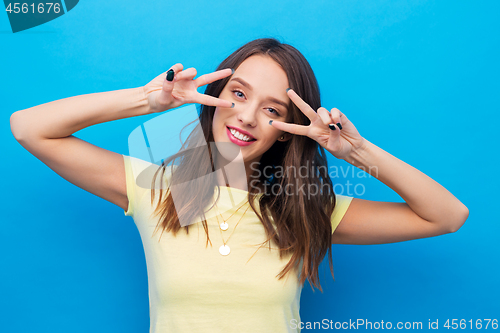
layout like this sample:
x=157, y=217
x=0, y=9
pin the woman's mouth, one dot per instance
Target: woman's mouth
x=239, y=138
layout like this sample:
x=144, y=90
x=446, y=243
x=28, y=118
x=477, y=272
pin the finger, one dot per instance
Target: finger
x=303, y=106
x=325, y=116
x=343, y=118
x=335, y=117
x=187, y=74
x=176, y=68
x=213, y=101
x=168, y=86
x=211, y=77
x=290, y=128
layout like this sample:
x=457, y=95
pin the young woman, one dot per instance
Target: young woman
x=240, y=239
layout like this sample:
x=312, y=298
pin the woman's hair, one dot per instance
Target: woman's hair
x=302, y=220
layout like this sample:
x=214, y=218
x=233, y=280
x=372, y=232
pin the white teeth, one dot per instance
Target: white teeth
x=238, y=135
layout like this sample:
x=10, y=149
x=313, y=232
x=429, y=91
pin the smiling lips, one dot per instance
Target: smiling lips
x=239, y=138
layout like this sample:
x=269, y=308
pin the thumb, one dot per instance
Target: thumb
x=168, y=83
x=165, y=95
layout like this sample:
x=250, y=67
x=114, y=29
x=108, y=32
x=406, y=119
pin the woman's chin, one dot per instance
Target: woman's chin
x=229, y=151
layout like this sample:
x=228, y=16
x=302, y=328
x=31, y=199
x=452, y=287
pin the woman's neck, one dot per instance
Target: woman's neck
x=236, y=174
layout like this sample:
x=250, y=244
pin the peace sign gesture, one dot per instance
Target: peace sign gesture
x=332, y=130
x=176, y=87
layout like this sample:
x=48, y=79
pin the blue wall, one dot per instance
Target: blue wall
x=419, y=79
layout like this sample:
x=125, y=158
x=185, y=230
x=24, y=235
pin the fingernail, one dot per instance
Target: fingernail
x=232, y=106
x=270, y=122
x=340, y=126
x=170, y=75
x=232, y=71
x=287, y=89
x=332, y=126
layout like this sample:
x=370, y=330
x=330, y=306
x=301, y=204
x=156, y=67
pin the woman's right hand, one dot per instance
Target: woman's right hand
x=164, y=95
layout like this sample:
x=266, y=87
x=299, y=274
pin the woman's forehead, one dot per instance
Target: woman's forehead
x=262, y=62
x=262, y=73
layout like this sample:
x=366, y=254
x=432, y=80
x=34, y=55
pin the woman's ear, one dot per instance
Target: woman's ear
x=285, y=137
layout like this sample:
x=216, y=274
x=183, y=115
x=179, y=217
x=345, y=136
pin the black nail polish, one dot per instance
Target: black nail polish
x=170, y=75
x=287, y=89
x=270, y=122
x=340, y=126
x=232, y=71
x=232, y=106
x=332, y=126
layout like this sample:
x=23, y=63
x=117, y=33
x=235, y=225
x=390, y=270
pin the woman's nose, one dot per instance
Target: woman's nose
x=247, y=115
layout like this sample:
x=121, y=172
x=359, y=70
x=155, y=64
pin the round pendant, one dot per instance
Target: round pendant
x=224, y=250
x=224, y=226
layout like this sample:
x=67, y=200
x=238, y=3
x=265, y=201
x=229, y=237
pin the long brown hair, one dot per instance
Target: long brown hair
x=302, y=220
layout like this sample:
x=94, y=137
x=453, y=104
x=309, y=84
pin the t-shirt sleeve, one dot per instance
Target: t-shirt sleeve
x=130, y=181
x=140, y=177
x=341, y=206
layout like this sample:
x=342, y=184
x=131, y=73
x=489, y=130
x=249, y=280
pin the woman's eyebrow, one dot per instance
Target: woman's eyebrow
x=249, y=87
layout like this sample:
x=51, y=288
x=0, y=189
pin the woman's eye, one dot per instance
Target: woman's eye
x=273, y=111
x=239, y=93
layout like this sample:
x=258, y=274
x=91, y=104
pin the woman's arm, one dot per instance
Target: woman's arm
x=61, y=118
x=424, y=196
x=46, y=130
x=429, y=209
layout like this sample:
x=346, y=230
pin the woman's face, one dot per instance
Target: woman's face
x=258, y=90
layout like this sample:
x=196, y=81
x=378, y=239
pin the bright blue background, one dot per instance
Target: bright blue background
x=419, y=79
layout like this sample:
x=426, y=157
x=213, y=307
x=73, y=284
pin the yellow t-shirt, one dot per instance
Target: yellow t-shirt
x=193, y=288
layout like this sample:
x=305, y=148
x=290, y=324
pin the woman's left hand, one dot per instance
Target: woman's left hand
x=339, y=142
